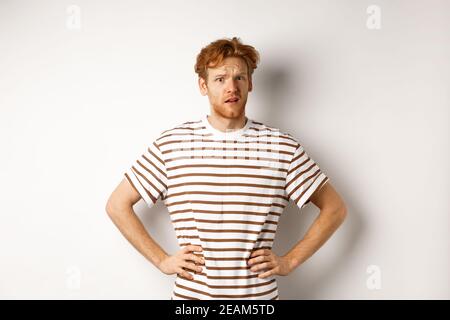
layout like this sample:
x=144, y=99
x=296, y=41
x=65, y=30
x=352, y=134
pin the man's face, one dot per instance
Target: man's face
x=228, y=80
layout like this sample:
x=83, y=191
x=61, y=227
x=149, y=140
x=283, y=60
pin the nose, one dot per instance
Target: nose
x=232, y=87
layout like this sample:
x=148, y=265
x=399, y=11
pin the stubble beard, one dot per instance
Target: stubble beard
x=229, y=113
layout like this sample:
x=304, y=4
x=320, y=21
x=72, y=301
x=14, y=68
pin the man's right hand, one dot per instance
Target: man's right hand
x=181, y=260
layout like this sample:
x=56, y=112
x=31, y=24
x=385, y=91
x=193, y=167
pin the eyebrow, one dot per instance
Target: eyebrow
x=223, y=74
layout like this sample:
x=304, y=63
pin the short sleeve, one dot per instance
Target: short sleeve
x=303, y=177
x=148, y=175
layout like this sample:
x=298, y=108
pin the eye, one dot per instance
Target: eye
x=219, y=79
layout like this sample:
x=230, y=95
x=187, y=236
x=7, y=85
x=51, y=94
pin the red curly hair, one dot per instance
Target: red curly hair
x=213, y=54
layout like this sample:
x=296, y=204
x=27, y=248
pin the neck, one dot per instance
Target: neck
x=226, y=124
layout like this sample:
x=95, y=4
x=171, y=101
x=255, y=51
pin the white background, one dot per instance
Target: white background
x=78, y=106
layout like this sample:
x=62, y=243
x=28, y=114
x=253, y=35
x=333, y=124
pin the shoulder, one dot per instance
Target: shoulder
x=265, y=128
x=178, y=128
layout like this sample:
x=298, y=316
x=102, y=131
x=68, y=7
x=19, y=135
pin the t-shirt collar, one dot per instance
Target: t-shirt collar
x=225, y=134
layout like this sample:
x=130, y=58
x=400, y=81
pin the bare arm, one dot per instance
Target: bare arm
x=332, y=213
x=120, y=210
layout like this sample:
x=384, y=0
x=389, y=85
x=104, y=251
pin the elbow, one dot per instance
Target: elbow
x=115, y=208
x=336, y=214
x=110, y=208
x=342, y=213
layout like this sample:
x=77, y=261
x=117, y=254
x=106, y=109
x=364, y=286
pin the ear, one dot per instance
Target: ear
x=250, y=84
x=202, y=86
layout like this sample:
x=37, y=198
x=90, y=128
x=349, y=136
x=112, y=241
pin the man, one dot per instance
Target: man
x=225, y=180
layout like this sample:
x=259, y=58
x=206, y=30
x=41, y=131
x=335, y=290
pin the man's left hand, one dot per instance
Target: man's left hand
x=266, y=260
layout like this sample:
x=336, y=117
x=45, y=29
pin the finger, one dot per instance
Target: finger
x=260, y=252
x=185, y=274
x=266, y=274
x=192, y=247
x=252, y=260
x=198, y=249
x=261, y=266
x=259, y=259
x=192, y=267
x=193, y=257
x=256, y=253
x=263, y=258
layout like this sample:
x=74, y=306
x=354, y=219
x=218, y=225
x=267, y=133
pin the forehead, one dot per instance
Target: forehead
x=230, y=65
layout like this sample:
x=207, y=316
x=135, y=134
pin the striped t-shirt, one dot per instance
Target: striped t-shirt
x=225, y=192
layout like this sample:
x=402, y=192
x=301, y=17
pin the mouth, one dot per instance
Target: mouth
x=232, y=100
